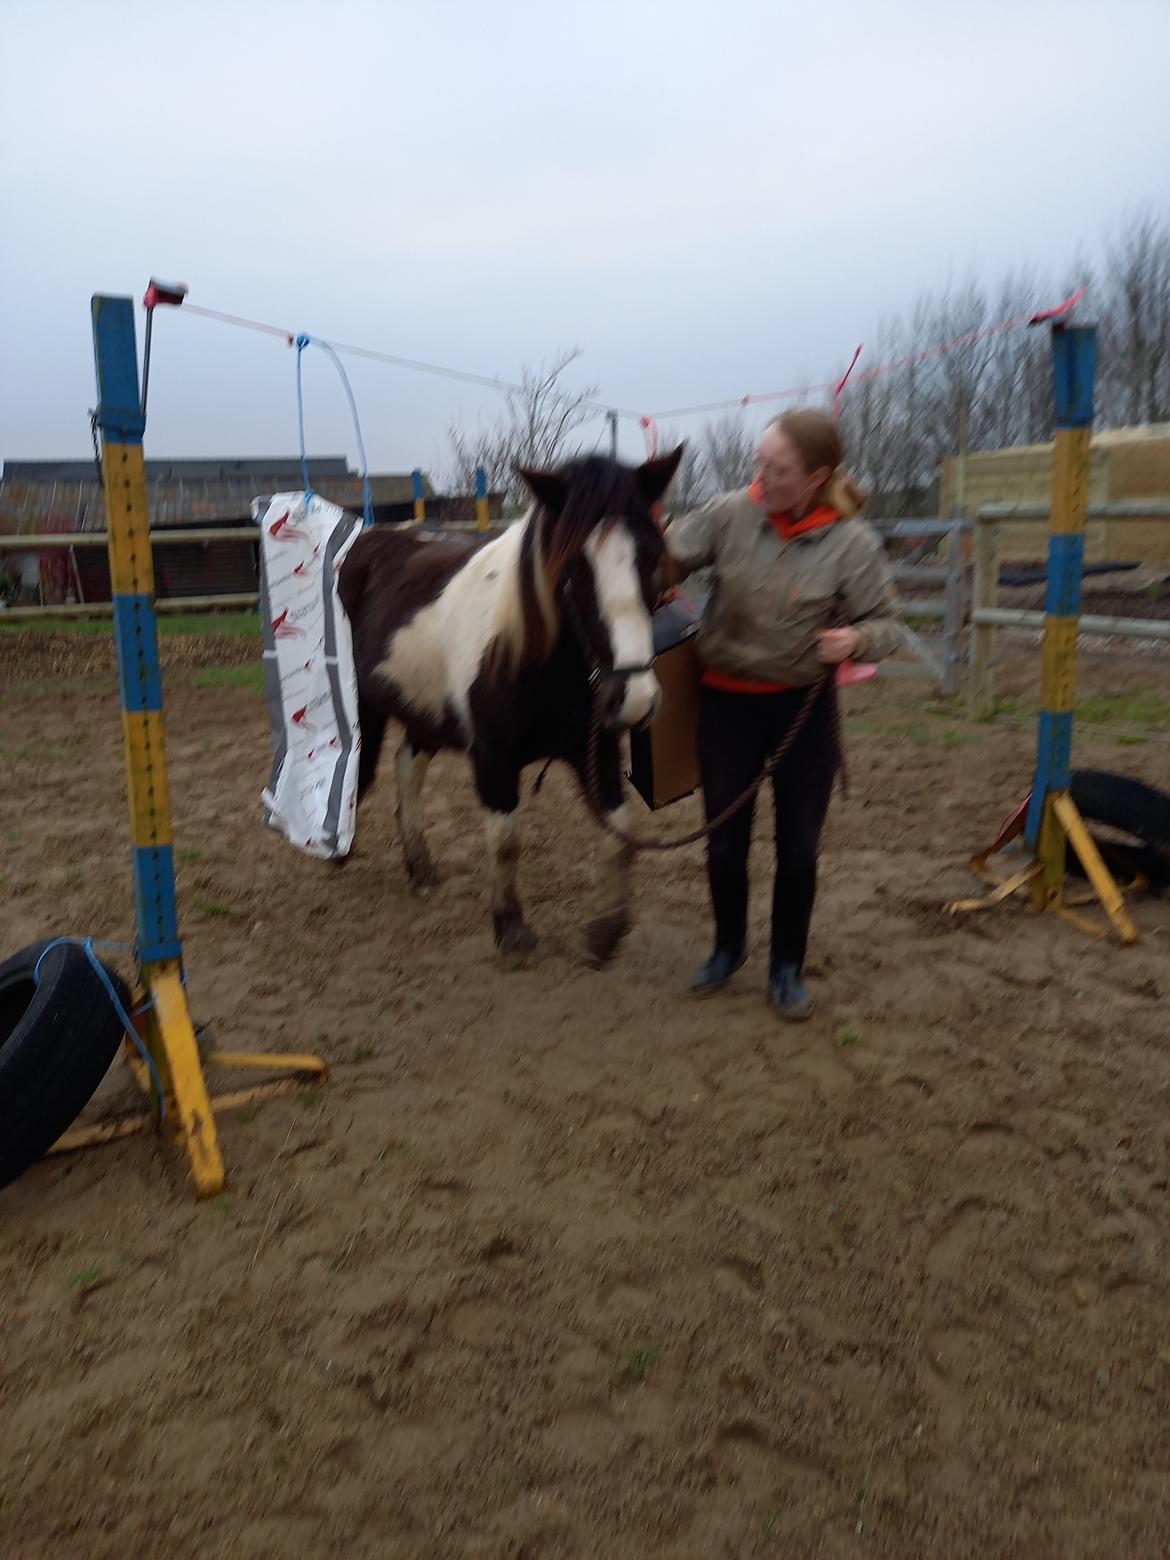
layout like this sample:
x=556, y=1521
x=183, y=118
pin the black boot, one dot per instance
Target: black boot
x=790, y=996
x=717, y=971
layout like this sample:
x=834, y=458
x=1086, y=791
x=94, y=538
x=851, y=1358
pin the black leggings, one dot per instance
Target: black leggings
x=737, y=733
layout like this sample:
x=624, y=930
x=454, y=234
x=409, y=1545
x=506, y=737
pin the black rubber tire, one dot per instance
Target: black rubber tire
x=57, y=1040
x=1141, y=811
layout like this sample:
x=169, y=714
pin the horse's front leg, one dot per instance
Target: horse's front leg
x=605, y=931
x=412, y=772
x=498, y=786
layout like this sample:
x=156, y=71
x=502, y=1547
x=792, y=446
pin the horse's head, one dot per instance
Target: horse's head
x=600, y=547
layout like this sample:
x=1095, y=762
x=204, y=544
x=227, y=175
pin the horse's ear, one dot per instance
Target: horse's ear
x=547, y=487
x=655, y=476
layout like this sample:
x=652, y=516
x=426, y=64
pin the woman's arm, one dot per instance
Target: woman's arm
x=692, y=541
x=869, y=598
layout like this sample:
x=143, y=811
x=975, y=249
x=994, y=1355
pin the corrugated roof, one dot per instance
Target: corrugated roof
x=74, y=502
x=286, y=467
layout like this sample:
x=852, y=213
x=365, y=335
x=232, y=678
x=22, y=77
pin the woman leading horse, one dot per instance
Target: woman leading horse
x=799, y=585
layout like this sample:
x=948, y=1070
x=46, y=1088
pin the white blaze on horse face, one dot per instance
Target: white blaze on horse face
x=611, y=555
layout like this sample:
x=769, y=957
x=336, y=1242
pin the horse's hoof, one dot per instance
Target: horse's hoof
x=604, y=936
x=514, y=935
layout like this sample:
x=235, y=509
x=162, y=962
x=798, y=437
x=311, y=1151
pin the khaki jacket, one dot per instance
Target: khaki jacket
x=770, y=597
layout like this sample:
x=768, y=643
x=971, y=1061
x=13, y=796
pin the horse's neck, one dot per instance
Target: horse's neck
x=484, y=602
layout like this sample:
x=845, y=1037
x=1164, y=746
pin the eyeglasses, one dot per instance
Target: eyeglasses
x=766, y=468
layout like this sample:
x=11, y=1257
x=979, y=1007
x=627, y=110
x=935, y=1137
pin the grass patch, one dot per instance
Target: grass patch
x=1005, y=707
x=46, y=687
x=209, y=625
x=849, y=1037
x=85, y=1278
x=310, y=1099
x=72, y=875
x=637, y=1362
x=400, y=1146
x=853, y=1509
x=362, y=1051
x=212, y=907
x=190, y=855
x=1145, y=706
x=860, y=726
x=248, y=677
x=919, y=732
x=912, y=730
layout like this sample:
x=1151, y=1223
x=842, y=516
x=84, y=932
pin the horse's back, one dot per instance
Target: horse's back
x=387, y=577
x=390, y=573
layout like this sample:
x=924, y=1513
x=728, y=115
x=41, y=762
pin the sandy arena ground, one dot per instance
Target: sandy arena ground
x=560, y=1263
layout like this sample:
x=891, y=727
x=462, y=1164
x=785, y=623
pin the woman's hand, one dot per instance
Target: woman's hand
x=835, y=645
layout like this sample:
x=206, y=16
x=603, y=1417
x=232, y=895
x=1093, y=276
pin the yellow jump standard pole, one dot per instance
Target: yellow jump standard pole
x=169, y=1033
x=1052, y=816
x=1052, y=821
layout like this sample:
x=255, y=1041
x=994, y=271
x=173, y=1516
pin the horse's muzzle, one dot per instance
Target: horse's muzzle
x=631, y=701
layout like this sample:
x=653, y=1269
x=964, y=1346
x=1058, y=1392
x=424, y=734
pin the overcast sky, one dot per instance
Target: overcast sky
x=707, y=198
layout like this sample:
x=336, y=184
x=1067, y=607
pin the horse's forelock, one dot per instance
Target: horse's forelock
x=595, y=497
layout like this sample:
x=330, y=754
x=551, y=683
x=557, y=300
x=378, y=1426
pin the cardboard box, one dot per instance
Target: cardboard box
x=664, y=759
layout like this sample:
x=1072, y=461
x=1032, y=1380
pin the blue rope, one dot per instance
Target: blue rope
x=89, y=945
x=302, y=342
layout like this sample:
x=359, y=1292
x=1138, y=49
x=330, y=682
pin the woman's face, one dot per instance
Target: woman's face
x=786, y=487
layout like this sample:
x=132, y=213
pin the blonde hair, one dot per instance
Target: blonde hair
x=818, y=444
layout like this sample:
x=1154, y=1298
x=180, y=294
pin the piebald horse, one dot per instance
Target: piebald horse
x=500, y=649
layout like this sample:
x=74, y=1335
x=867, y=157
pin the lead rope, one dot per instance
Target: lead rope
x=825, y=684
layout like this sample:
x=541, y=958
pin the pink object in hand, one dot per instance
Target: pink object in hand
x=850, y=672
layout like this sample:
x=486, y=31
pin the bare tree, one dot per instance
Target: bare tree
x=1011, y=411
x=536, y=428
x=728, y=452
x=880, y=431
x=1135, y=323
x=691, y=485
x=995, y=391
